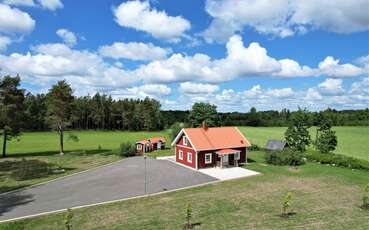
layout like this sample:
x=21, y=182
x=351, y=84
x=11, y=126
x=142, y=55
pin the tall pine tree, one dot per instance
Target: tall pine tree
x=11, y=109
x=60, y=103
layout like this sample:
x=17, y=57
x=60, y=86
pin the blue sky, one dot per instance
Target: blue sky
x=235, y=54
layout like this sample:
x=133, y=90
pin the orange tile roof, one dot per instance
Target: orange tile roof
x=157, y=139
x=152, y=140
x=216, y=138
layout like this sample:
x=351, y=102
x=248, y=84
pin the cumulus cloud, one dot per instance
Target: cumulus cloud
x=13, y=20
x=51, y=4
x=156, y=91
x=284, y=18
x=137, y=51
x=46, y=4
x=331, y=87
x=140, y=16
x=50, y=62
x=331, y=67
x=19, y=2
x=68, y=37
x=239, y=62
x=197, y=88
x=361, y=87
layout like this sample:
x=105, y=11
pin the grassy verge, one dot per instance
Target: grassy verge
x=325, y=197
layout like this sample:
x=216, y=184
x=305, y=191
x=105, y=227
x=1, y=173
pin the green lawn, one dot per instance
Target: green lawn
x=37, y=142
x=352, y=141
x=324, y=197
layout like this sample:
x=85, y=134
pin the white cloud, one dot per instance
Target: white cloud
x=281, y=93
x=140, y=16
x=291, y=68
x=46, y=4
x=68, y=37
x=4, y=42
x=149, y=90
x=331, y=87
x=51, y=4
x=331, y=67
x=285, y=17
x=134, y=51
x=19, y=2
x=52, y=62
x=13, y=20
x=361, y=87
x=240, y=62
x=197, y=88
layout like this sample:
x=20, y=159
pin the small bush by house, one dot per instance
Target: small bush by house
x=127, y=149
x=338, y=160
x=285, y=157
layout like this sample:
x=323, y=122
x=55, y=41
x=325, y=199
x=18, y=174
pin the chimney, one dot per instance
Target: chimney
x=204, y=125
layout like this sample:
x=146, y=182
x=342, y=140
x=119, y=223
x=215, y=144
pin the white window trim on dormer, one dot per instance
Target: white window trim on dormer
x=185, y=140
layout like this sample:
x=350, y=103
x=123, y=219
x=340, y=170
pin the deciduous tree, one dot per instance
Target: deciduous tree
x=297, y=134
x=203, y=112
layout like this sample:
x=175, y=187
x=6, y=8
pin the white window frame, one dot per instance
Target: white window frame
x=189, y=157
x=185, y=140
x=139, y=147
x=211, y=158
x=180, y=154
x=237, y=156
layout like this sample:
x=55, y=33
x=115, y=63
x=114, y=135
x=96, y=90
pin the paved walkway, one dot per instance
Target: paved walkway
x=123, y=179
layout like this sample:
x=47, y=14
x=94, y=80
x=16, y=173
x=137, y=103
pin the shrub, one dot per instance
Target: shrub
x=254, y=147
x=285, y=157
x=127, y=149
x=338, y=160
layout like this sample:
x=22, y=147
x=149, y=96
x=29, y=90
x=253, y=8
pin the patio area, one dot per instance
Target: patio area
x=228, y=173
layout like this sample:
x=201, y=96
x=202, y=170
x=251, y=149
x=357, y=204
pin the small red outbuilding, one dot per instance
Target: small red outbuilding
x=209, y=147
x=151, y=144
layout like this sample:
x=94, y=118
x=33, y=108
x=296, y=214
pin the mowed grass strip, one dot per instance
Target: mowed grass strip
x=324, y=197
x=353, y=141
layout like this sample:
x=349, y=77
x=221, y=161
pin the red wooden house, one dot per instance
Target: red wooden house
x=151, y=144
x=209, y=147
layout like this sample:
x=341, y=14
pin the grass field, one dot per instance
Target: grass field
x=352, y=141
x=324, y=197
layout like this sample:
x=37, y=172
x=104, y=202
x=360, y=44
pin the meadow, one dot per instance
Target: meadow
x=324, y=197
x=352, y=140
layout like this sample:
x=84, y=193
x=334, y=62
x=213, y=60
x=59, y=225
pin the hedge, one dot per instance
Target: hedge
x=338, y=160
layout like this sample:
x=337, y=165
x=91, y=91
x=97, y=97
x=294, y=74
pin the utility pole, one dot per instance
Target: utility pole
x=144, y=153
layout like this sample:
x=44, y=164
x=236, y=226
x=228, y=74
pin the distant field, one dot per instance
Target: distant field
x=352, y=140
x=34, y=142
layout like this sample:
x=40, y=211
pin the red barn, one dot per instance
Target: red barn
x=151, y=144
x=209, y=147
